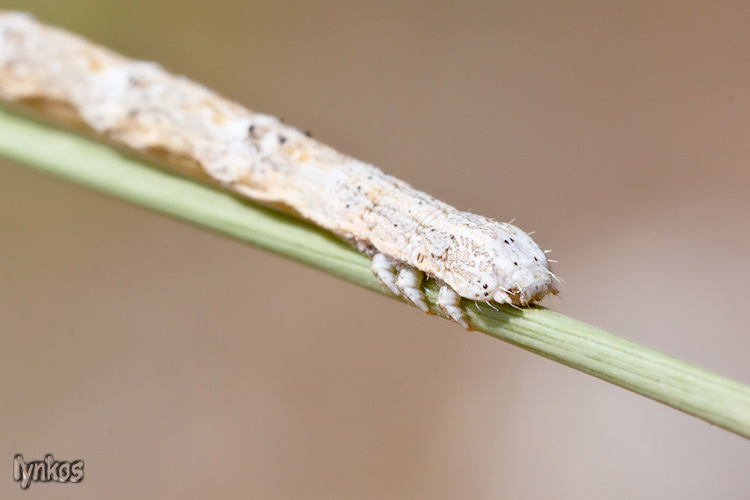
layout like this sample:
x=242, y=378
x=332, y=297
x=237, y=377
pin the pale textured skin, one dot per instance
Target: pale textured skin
x=192, y=129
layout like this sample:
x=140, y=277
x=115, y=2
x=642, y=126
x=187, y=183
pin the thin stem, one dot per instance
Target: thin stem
x=711, y=397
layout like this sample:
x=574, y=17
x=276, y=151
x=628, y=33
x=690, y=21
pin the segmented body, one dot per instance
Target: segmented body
x=190, y=128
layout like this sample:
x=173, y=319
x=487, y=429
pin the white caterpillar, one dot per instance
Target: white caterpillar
x=190, y=128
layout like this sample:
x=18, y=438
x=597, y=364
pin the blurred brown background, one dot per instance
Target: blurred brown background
x=176, y=364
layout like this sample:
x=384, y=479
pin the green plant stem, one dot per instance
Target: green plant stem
x=711, y=397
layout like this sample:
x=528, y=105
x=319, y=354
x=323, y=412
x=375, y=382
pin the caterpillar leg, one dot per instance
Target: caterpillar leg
x=450, y=302
x=408, y=284
x=384, y=269
x=409, y=281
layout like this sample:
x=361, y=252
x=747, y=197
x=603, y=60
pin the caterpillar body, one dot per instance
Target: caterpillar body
x=138, y=105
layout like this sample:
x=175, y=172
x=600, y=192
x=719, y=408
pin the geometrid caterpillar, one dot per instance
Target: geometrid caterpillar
x=188, y=127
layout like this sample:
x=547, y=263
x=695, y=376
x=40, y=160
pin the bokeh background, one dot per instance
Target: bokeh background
x=178, y=364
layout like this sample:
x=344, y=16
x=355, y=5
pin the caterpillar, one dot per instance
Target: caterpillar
x=138, y=105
